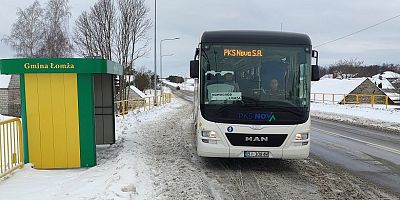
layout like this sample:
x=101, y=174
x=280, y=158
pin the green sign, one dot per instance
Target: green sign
x=59, y=65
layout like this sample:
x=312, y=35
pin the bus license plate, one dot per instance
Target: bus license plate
x=256, y=154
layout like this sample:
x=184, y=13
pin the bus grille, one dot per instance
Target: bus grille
x=256, y=140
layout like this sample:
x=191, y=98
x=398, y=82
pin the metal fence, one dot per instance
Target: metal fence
x=123, y=106
x=350, y=99
x=11, y=151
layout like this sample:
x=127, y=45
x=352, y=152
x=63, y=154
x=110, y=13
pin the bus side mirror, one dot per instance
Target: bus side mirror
x=194, y=69
x=314, y=54
x=315, y=73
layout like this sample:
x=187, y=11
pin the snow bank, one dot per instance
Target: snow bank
x=3, y=118
x=138, y=92
x=121, y=173
x=4, y=81
x=365, y=115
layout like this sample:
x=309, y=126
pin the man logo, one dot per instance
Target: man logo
x=256, y=139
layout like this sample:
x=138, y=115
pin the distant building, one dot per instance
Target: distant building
x=10, y=99
x=390, y=76
x=387, y=82
x=349, y=88
x=396, y=85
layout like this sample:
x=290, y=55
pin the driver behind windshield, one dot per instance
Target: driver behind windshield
x=228, y=77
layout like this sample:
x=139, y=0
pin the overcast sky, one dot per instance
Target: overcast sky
x=322, y=20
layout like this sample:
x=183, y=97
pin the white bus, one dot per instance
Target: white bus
x=252, y=94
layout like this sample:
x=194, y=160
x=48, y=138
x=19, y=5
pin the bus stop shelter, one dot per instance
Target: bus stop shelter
x=67, y=107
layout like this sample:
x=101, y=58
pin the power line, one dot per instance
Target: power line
x=379, y=23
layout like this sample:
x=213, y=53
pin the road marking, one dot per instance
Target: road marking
x=336, y=124
x=395, y=151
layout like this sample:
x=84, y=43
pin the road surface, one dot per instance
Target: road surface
x=319, y=177
x=372, y=154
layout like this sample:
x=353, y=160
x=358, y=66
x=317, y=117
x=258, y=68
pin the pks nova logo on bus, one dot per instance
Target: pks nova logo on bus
x=270, y=117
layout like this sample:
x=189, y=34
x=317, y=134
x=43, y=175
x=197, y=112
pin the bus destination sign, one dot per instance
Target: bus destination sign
x=243, y=53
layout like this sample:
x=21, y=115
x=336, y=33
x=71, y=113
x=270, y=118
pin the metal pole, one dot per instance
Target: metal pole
x=161, y=65
x=161, y=74
x=155, y=50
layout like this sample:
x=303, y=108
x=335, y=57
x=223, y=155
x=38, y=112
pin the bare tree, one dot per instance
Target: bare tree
x=346, y=68
x=356, y=68
x=132, y=40
x=142, y=79
x=103, y=16
x=42, y=32
x=84, y=37
x=57, y=42
x=27, y=32
x=94, y=31
x=116, y=34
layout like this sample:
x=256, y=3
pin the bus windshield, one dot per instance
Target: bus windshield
x=260, y=76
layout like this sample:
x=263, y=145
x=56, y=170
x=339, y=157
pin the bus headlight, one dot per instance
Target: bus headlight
x=301, y=136
x=209, y=134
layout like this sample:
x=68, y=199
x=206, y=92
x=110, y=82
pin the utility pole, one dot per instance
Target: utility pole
x=155, y=52
x=161, y=74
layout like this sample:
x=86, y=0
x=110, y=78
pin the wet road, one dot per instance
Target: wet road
x=184, y=94
x=372, y=154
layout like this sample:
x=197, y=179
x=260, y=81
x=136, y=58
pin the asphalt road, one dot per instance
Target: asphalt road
x=184, y=94
x=371, y=154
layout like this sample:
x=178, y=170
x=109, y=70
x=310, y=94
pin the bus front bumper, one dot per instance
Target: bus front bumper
x=220, y=150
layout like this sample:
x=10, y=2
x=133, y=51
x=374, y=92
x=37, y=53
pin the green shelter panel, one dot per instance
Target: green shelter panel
x=59, y=65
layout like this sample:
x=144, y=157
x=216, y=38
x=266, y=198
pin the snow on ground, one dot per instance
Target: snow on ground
x=385, y=83
x=2, y=117
x=393, y=96
x=377, y=117
x=121, y=172
x=4, y=81
x=339, y=87
x=187, y=85
x=138, y=92
x=387, y=74
x=155, y=158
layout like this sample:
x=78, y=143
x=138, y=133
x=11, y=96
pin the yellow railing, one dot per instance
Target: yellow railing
x=11, y=151
x=123, y=106
x=350, y=99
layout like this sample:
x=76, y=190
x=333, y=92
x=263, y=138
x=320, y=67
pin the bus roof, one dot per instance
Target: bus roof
x=255, y=37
